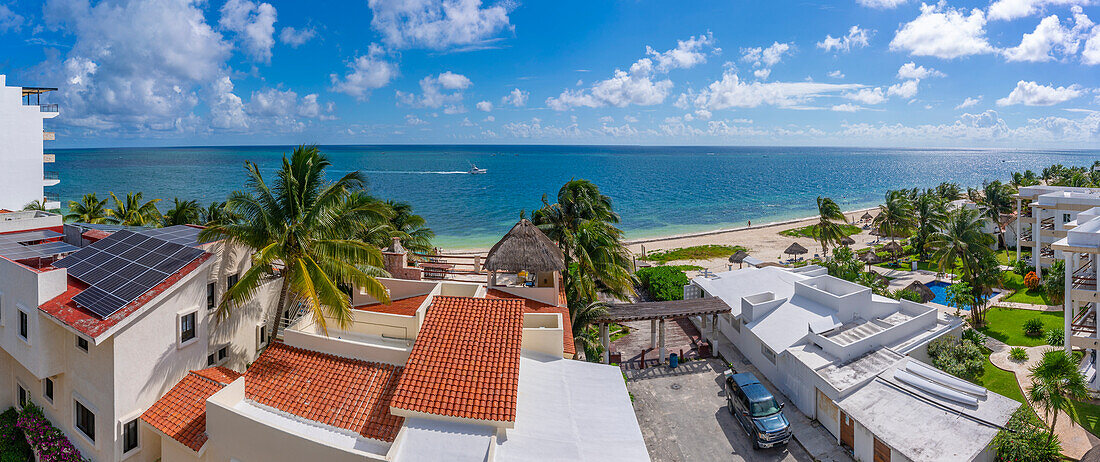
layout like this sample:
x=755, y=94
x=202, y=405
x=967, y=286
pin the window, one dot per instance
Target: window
x=47, y=389
x=23, y=320
x=210, y=360
x=84, y=420
x=187, y=327
x=24, y=396
x=768, y=353
x=129, y=436
x=1065, y=218
x=261, y=336
x=210, y=299
x=223, y=353
x=81, y=343
x=232, y=281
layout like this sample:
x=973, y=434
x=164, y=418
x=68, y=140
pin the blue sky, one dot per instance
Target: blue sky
x=1001, y=73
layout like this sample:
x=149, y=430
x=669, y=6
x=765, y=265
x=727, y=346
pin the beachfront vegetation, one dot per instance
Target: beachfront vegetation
x=1007, y=325
x=215, y=213
x=1025, y=438
x=697, y=252
x=133, y=211
x=1055, y=383
x=1025, y=178
x=182, y=212
x=583, y=314
x=810, y=231
x=90, y=209
x=663, y=282
x=960, y=357
x=302, y=228
x=828, y=227
x=929, y=211
x=947, y=191
x=895, y=217
x=959, y=240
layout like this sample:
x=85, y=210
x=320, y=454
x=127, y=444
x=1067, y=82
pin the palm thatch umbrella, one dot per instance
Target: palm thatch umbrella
x=795, y=249
x=926, y=294
x=739, y=258
x=870, y=257
x=893, y=247
x=866, y=216
x=847, y=241
x=525, y=248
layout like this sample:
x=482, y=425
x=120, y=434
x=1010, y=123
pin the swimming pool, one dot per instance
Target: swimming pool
x=940, y=289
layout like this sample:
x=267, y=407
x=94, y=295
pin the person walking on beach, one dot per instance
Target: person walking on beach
x=750, y=223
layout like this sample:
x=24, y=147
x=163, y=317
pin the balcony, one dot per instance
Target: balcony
x=1084, y=324
x=48, y=158
x=1046, y=252
x=50, y=178
x=1026, y=236
x=1047, y=223
x=1085, y=277
x=48, y=136
x=47, y=108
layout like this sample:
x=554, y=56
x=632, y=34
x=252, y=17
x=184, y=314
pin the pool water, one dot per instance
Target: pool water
x=940, y=289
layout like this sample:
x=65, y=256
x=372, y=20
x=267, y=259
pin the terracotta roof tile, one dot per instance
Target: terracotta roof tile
x=181, y=413
x=222, y=375
x=532, y=306
x=465, y=362
x=404, y=307
x=341, y=392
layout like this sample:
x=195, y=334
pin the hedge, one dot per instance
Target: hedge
x=663, y=282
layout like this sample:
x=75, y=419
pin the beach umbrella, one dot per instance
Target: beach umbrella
x=738, y=257
x=847, y=241
x=893, y=247
x=870, y=257
x=866, y=216
x=926, y=294
x=525, y=248
x=795, y=249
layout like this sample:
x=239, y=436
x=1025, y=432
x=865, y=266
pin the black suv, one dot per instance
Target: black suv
x=757, y=410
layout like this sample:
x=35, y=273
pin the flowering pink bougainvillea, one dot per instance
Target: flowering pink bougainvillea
x=47, y=441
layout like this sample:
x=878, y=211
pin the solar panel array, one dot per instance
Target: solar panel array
x=122, y=267
x=179, y=234
x=13, y=246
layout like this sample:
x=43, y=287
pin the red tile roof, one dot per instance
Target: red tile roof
x=405, y=306
x=465, y=362
x=533, y=306
x=181, y=413
x=341, y=392
x=64, y=309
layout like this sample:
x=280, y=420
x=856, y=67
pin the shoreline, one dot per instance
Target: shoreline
x=770, y=224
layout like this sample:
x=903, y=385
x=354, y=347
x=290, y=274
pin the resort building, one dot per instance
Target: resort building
x=854, y=361
x=1006, y=223
x=97, y=324
x=23, y=177
x=1044, y=213
x=448, y=370
x=1079, y=248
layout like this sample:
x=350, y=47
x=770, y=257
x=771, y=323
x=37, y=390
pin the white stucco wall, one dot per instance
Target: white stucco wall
x=21, y=169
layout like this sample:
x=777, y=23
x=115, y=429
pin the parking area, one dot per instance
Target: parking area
x=683, y=416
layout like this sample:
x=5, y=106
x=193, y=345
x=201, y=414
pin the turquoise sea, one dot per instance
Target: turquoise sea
x=657, y=190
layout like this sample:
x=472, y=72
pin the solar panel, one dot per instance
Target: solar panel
x=16, y=246
x=178, y=234
x=122, y=267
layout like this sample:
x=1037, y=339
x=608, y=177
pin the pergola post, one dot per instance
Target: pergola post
x=661, y=341
x=1070, y=311
x=652, y=334
x=1019, y=220
x=605, y=342
x=714, y=327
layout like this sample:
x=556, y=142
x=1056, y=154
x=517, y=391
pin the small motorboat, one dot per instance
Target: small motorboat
x=477, y=171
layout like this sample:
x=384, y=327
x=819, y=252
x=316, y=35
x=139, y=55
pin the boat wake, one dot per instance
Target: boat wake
x=405, y=172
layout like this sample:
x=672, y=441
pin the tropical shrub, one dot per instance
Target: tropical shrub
x=957, y=356
x=974, y=336
x=663, y=282
x=1025, y=438
x=1031, y=280
x=13, y=446
x=1033, y=327
x=1022, y=266
x=1056, y=336
x=1017, y=354
x=906, y=294
x=50, y=444
x=1054, y=282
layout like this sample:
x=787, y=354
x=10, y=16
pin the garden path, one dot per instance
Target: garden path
x=1076, y=441
x=1029, y=306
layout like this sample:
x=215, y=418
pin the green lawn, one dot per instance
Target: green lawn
x=1007, y=325
x=1015, y=282
x=1008, y=257
x=1086, y=415
x=922, y=265
x=811, y=231
x=999, y=380
x=699, y=252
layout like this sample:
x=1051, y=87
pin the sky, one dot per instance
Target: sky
x=891, y=73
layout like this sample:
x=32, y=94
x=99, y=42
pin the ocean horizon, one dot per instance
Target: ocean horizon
x=657, y=190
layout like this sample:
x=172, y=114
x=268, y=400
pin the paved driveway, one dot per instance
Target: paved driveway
x=683, y=416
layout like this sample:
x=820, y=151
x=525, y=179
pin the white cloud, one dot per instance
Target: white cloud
x=847, y=107
x=368, y=72
x=882, y=4
x=1013, y=9
x=414, y=120
x=1033, y=94
x=1049, y=36
x=254, y=24
x=484, y=106
x=9, y=20
x=968, y=102
x=226, y=108
x=607, y=119
x=836, y=74
x=906, y=89
x=516, y=97
x=630, y=119
x=856, y=38
x=297, y=37
x=686, y=55
x=911, y=70
x=443, y=89
x=762, y=74
x=943, y=32
x=1091, y=54
x=438, y=24
x=490, y=119
x=765, y=57
x=867, y=96
x=731, y=91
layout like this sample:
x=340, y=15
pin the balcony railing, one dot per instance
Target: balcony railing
x=50, y=176
x=48, y=136
x=1046, y=252
x=48, y=158
x=51, y=198
x=1047, y=223
x=47, y=108
x=1084, y=324
x=1025, y=236
x=1085, y=277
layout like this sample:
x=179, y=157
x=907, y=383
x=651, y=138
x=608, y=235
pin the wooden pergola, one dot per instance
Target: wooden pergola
x=657, y=313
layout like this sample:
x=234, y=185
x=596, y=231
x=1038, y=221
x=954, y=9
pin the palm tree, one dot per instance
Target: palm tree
x=582, y=223
x=929, y=211
x=996, y=199
x=1052, y=172
x=418, y=237
x=1055, y=384
x=35, y=205
x=873, y=281
x=133, y=211
x=583, y=316
x=960, y=239
x=302, y=230
x=182, y=213
x=828, y=231
x=216, y=212
x=895, y=215
x=948, y=192
x=90, y=209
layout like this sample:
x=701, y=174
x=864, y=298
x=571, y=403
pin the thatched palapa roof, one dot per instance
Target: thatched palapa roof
x=795, y=249
x=926, y=294
x=867, y=216
x=525, y=248
x=870, y=257
x=847, y=241
x=738, y=256
x=893, y=247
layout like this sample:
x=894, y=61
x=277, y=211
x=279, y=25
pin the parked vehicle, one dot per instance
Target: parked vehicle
x=757, y=410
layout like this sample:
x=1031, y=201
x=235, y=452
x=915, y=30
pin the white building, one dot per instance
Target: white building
x=991, y=228
x=94, y=375
x=1079, y=248
x=852, y=361
x=1045, y=211
x=22, y=175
